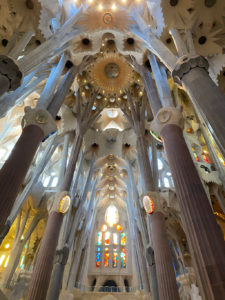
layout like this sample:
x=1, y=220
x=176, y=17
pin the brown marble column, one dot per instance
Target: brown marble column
x=167, y=285
x=205, y=95
x=15, y=168
x=203, y=233
x=41, y=275
x=209, y=100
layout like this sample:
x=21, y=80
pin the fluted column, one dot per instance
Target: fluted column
x=203, y=233
x=167, y=285
x=36, y=124
x=15, y=168
x=42, y=272
x=206, y=96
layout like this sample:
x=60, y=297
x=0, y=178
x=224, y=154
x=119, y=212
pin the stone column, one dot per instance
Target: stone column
x=205, y=95
x=36, y=124
x=167, y=285
x=42, y=271
x=15, y=168
x=203, y=233
x=41, y=275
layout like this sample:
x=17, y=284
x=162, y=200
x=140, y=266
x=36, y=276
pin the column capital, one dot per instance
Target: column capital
x=41, y=118
x=185, y=64
x=59, y=202
x=166, y=116
x=10, y=71
x=157, y=202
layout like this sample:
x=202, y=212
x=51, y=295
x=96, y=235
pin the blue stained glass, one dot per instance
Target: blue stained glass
x=98, y=259
x=99, y=249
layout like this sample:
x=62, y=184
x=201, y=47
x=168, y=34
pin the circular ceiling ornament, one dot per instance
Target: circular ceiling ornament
x=107, y=18
x=95, y=20
x=111, y=74
x=112, y=70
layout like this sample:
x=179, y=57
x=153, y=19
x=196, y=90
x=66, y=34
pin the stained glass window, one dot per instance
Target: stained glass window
x=119, y=227
x=195, y=155
x=115, y=239
x=123, y=258
x=98, y=259
x=123, y=239
x=99, y=242
x=106, y=257
x=104, y=227
x=115, y=260
x=107, y=238
x=112, y=216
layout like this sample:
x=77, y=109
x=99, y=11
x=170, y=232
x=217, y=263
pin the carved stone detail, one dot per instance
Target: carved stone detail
x=10, y=73
x=54, y=200
x=62, y=255
x=41, y=118
x=157, y=200
x=165, y=116
x=187, y=62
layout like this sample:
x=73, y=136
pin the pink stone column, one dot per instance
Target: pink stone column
x=167, y=285
x=15, y=168
x=203, y=233
x=41, y=275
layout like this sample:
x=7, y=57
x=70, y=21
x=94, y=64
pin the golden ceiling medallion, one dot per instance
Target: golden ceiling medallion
x=112, y=70
x=107, y=18
x=111, y=73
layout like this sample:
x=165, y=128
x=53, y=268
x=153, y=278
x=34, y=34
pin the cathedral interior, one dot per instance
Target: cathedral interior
x=112, y=149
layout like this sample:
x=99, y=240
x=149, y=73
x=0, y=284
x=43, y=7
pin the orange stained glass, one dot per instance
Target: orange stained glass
x=195, y=155
x=119, y=227
x=123, y=239
x=115, y=260
x=104, y=227
x=107, y=238
x=106, y=258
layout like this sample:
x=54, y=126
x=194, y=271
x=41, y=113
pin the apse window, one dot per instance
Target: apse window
x=111, y=242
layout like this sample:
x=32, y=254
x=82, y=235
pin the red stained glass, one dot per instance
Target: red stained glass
x=106, y=259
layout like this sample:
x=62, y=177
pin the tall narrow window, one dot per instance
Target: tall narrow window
x=123, y=239
x=107, y=238
x=115, y=239
x=98, y=258
x=123, y=258
x=99, y=242
x=106, y=257
x=112, y=216
x=115, y=259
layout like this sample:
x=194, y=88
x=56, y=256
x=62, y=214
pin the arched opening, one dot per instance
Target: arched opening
x=126, y=283
x=109, y=286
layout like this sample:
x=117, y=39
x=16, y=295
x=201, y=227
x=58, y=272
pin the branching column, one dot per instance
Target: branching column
x=167, y=286
x=37, y=287
x=203, y=233
x=37, y=124
x=205, y=95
